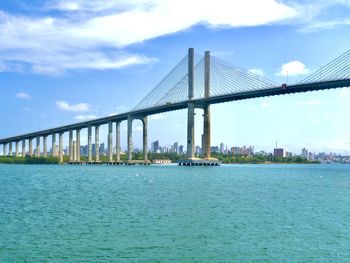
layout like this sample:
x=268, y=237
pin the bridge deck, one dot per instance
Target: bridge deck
x=199, y=103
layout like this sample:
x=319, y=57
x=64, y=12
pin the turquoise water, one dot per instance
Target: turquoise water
x=236, y=213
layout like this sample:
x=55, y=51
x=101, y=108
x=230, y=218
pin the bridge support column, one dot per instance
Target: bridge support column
x=10, y=149
x=110, y=142
x=207, y=124
x=97, y=143
x=4, y=150
x=145, y=139
x=45, y=146
x=130, y=146
x=23, y=148
x=54, y=153
x=17, y=149
x=117, y=141
x=70, y=145
x=60, y=146
x=190, y=131
x=190, y=113
x=78, y=146
x=89, y=144
x=30, y=147
x=37, y=151
x=74, y=151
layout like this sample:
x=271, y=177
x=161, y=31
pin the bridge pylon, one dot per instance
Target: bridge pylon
x=191, y=107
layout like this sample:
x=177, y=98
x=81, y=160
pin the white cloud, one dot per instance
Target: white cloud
x=156, y=117
x=85, y=117
x=86, y=34
x=293, y=68
x=257, y=71
x=23, y=95
x=321, y=25
x=80, y=107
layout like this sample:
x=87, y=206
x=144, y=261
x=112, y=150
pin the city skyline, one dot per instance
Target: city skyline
x=39, y=92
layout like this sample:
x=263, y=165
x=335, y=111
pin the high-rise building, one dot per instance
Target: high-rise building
x=198, y=150
x=279, y=152
x=176, y=147
x=304, y=153
x=222, y=147
x=214, y=149
x=102, y=149
x=181, y=149
x=155, y=146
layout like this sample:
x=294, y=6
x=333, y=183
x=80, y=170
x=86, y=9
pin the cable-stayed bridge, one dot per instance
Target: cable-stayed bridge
x=195, y=82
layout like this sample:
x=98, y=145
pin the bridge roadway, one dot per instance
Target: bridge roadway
x=199, y=103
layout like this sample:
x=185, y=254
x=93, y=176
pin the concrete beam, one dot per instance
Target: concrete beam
x=117, y=141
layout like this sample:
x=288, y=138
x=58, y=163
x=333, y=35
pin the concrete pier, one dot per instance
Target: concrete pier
x=53, y=137
x=4, y=150
x=70, y=145
x=37, y=149
x=145, y=138
x=130, y=145
x=17, y=149
x=90, y=144
x=206, y=115
x=60, y=147
x=30, y=147
x=23, y=148
x=110, y=142
x=10, y=149
x=97, y=143
x=190, y=112
x=45, y=146
x=77, y=159
x=117, y=141
x=74, y=152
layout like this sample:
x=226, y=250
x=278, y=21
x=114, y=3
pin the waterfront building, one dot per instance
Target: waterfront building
x=304, y=153
x=279, y=152
x=155, y=146
x=181, y=149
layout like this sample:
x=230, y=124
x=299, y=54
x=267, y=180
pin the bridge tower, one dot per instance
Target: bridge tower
x=206, y=115
x=190, y=112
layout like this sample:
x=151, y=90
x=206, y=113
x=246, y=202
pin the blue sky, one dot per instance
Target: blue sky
x=64, y=61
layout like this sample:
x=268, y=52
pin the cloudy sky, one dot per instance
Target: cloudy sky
x=64, y=61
